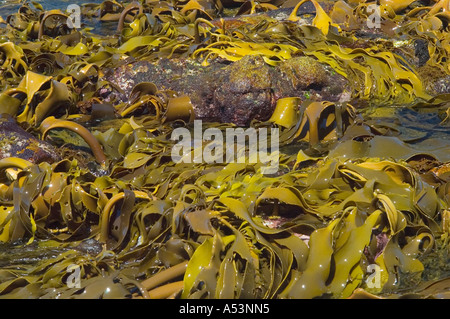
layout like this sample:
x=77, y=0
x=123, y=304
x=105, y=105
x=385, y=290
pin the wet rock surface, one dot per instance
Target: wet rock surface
x=245, y=91
x=16, y=142
x=232, y=92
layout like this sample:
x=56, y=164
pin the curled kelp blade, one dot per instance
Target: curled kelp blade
x=179, y=108
x=53, y=20
x=312, y=122
x=10, y=104
x=11, y=57
x=56, y=95
x=286, y=112
x=145, y=95
x=43, y=63
x=105, y=218
x=52, y=123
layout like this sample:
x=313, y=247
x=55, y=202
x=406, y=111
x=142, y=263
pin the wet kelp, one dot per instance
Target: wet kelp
x=352, y=193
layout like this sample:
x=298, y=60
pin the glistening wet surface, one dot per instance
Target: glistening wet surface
x=94, y=204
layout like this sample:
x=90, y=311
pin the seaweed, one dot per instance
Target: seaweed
x=348, y=195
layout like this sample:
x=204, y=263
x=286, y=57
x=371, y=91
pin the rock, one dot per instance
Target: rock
x=421, y=51
x=305, y=77
x=440, y=85
x=234, y=92
x=184, y=76
x=16, y=142
x=245, y=91
x=303, y=73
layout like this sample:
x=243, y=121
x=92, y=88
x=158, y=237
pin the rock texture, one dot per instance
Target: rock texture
x=16, y=142
x=232, y=92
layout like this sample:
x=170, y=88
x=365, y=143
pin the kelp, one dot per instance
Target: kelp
x=230, y=227
x=132, y=223
x=313, y=122
x=12, y=63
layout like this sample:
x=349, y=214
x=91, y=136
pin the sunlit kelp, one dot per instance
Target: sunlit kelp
x=236, y=226
x=347, y=194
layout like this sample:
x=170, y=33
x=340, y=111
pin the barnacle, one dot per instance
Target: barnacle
x=362, y=177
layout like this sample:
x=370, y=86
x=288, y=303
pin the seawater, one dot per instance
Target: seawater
x=8, y=7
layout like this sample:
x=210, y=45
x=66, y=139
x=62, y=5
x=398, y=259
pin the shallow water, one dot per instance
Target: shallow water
x=9, y=7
